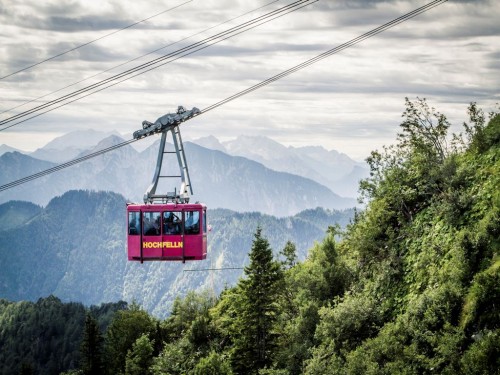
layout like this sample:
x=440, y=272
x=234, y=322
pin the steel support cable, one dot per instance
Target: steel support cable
x=92, y=41
x=139, y=57
x=328, y=53
x=153, y=64
x=241, y=93
x=155, y=67
x=64, y=165
x=150, y=63
x=213, y=269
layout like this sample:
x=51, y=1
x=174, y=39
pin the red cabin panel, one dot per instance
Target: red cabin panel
x=166, y=232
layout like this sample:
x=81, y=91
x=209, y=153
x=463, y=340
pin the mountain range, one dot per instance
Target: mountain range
x=69, y=146
x=267, y=177
x=335, y=170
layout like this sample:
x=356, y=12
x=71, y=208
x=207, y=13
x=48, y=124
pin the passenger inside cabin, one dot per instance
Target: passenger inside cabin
x=171, y=223
x=149, y=227
x=189, y=219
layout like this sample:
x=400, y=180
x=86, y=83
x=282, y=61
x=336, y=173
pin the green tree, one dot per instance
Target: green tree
x=483, y=356
x=424, y=130
x=176, y=358
x=255, y=340
x=307, y=286
x=406, y=175
x=213, y=364
x=289, y=253
x=91, y=349
x=140, y=357
x=185, y=311
x=126, y=327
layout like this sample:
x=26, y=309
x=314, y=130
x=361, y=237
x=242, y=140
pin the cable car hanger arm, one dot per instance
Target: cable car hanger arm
x=164, y=124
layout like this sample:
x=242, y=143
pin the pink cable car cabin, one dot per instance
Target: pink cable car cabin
x=167, y=232
x=167, y=227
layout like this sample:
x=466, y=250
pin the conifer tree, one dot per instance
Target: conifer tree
x=289, y=254
x=91, y=348
x=254, y=341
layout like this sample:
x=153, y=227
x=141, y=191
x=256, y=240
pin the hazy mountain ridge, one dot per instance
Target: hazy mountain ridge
x=242, y=185
x=75, y=249
x=71, y=145
x=4, y=149
x=220, y=180
x=329, y=168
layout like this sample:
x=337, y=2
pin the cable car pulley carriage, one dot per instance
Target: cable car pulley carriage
x=167, y=227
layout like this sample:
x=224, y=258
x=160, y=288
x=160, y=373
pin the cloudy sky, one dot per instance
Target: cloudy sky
x=351, y=101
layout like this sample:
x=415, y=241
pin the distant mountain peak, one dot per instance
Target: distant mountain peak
x=210, y=142
x=4, y=149
x=17, y=156
x=257, y=147
x=109, y=141
x=257, y=139
x=80, y=139
x=70, y=145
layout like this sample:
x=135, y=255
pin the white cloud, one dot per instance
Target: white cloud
x=351, y=101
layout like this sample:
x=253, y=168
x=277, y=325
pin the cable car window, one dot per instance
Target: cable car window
x=151, y=223
x=172, y=222
x=134, y=223
x=192, y=224
x=204, y=221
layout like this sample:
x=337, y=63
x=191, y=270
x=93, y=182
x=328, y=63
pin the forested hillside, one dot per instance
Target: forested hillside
x=44, y=337
x=16, y=213
x=411, y=286
x=425, y=289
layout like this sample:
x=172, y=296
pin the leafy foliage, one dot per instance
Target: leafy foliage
x=140, y=357
x=123, y=333
x=214, y=364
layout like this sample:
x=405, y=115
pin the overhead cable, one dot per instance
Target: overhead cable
x=92, y=41
x=330, y=52
x=139, y=57
x=307, y=63
x=213, y=269
x=156, y=63
x=65, y=165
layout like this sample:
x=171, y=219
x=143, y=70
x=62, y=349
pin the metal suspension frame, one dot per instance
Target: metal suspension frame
x=182, y=196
